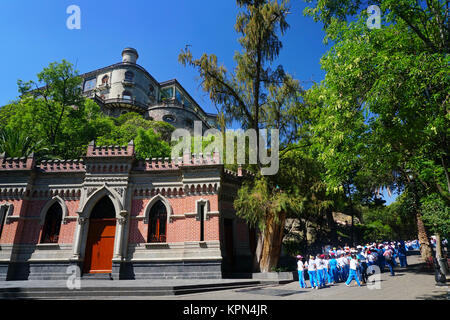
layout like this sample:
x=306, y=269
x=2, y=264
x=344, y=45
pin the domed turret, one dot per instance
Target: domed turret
x=129, y=55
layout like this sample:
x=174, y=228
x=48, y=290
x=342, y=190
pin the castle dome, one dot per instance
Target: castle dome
x=130, y=55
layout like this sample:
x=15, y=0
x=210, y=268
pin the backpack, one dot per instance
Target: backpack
x=387, y=255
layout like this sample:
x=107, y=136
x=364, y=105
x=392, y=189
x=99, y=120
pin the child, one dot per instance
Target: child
x=320, y=266
x=300, y=269
x=341, y=265
x=353, y=266
x=312, y=272
x=327, y=269
x=333, y=269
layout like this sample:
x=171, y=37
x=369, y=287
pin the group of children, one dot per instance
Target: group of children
x=348, y=264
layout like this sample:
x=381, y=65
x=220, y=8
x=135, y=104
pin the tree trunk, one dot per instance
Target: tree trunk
x=272, y=241
x=439, y=258
x=425, y=248
x=331, y=225
x=258, y=252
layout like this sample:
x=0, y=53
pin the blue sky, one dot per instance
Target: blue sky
x=34, y=33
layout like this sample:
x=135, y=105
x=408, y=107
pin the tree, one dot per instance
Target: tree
x=384, y=101
x=53, y=113
x=246, y=95
x=150, y=145
x=150, y=137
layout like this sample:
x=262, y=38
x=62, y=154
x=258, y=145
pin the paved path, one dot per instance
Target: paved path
x=405, y=285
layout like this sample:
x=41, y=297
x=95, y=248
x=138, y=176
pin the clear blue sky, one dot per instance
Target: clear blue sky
x=34, y=33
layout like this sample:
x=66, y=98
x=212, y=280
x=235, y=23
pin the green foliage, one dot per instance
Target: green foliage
x=150, y=145
x=53, y=119
x=396, y=221
x=436, y=214
x=15, y=144
x=150, y=137
x=249, y=93
x=53, y=114
x=381, y=115
x=428, y=21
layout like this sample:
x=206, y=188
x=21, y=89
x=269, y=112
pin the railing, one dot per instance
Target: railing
x=125, y=101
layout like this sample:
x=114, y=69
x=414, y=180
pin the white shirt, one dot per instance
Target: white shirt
x=300, y=265
x=353, y=264
x=346, y=260
x=312, y=265
x=319, y=264
x=340, y=261
x=326, y=262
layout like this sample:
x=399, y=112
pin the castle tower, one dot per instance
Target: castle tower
x=129, y=55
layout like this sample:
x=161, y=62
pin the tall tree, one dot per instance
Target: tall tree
x=384, y=100
x=251, y=94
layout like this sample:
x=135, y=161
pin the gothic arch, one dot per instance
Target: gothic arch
x=150, y=204
x=52, y=201
x=96, y=196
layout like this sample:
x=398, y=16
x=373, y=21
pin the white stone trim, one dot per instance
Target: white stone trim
x=150, y=204
x=51, y=202
x=6, y=212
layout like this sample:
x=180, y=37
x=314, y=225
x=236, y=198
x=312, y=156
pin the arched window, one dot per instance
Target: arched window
x=52, y=224
x=157, y=225
x=129, y=76
x=126, y=95
x=105, y=79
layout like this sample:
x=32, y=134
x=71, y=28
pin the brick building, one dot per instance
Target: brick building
x=110, y=213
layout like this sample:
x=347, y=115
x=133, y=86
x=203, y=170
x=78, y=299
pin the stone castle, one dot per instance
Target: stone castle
x=126, y=86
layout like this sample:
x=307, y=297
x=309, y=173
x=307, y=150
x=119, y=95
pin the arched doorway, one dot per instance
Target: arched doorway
x=100, y=241
x=157, y=225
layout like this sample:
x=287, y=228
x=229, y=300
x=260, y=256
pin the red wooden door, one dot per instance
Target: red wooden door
x=100, y=246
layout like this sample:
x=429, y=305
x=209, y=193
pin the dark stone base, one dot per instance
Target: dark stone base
x=239, y=264
x=41, y=271
x=3, y=271
x=167, y=270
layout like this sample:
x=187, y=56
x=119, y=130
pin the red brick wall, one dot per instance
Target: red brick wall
x=181, y=228
x=9, y=230
x=28, y=231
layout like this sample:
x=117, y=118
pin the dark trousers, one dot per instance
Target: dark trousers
x=390, y=264
x=403, y=262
